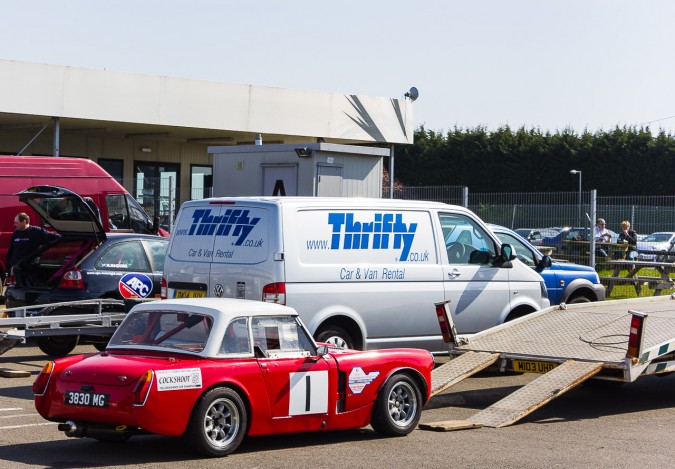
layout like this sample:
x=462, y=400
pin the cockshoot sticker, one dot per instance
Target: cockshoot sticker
x=172, y=380
x=358, y=380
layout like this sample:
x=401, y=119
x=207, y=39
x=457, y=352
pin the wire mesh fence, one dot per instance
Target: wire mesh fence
x=558, y=210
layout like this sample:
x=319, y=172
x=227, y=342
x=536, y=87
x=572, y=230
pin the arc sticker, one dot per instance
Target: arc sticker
x=135, y=285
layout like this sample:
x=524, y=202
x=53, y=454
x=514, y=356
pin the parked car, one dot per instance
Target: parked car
x=560, y=240
x=85, y=263
x=565, y=282
x=536, y=235
x=660, y=241
x=218, y=369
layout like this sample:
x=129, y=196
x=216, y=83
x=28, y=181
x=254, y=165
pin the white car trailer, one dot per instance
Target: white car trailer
x=567, y=344
x=99, y=319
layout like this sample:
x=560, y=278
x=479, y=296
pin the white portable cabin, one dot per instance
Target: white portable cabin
x=316, y=169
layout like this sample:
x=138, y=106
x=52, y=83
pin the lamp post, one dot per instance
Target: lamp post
x=574, y=171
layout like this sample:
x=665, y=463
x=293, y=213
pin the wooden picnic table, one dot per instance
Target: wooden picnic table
x=659, y=284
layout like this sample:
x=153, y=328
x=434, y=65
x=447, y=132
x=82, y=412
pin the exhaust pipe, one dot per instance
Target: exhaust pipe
x=95, y=430
x=71, y=429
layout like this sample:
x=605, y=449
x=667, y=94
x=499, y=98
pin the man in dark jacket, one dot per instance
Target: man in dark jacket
x=24, y=243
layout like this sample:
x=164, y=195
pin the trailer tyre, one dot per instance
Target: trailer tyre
x=57, y=345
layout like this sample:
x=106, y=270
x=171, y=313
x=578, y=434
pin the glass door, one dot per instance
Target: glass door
x=156, y=189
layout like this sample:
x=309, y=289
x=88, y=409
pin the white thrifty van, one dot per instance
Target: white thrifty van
x=364, y=273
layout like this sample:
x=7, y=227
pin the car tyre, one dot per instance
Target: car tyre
x=218, y=422
x=336, y=336
x=579, y=299
x=57, y=345
x=398, y=406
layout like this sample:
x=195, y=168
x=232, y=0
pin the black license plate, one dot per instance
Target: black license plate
x=89, y=399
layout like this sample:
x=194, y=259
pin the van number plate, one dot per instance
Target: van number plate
x=90, y=399
x=190, y=294
x=524, y=366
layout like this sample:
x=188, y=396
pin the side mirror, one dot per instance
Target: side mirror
x=322, y=350
x=505, y=257
x=544, y=263
x=507, y=252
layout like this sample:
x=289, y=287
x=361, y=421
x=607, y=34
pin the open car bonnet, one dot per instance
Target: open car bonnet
x=64, y=211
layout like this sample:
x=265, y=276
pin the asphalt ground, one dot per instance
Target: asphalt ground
x=590, y=426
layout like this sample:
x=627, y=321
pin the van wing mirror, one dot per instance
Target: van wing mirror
x=506, y=256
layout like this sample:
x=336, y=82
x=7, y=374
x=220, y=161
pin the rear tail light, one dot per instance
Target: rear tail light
x=274, y=293
x=636, y=333
x=73, y=280
x=446, y=325
x=142, y=388
x=163, y=292
x=42, y=380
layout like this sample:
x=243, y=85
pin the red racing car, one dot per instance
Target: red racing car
x=216, y=370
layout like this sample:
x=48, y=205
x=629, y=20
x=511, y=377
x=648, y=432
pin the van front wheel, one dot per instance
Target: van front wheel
x=336, y=336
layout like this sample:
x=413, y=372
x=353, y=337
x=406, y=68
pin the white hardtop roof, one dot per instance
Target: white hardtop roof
x=224, y=308
x=332, y=202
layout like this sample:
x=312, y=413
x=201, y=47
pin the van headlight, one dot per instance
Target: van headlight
x=544, y=291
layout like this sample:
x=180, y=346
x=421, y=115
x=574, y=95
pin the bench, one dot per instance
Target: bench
x=655, y=283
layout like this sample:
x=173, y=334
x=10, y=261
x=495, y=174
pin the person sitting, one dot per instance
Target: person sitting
x=602, y=235
x=628, y=236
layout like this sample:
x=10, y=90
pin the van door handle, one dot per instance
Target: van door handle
x=454, y=274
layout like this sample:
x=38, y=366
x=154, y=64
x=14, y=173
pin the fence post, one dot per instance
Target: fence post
x=594, y=217
x=465, y=197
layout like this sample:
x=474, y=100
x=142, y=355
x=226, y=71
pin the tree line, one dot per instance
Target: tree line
x=622, y=161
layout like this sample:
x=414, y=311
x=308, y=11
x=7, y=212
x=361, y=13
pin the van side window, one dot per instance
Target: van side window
x=465, y=241
x=117, y=211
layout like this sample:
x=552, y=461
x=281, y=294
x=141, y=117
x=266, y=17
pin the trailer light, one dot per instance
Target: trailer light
x=636, y=334
x=42, y=380
x=142, y=388
x=447, y=327
x=274, y=293
x=163, y=291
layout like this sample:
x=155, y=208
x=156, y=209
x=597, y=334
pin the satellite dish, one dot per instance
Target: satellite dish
x=413, y=94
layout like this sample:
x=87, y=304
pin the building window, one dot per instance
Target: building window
x=201, y=182
x=113, y=167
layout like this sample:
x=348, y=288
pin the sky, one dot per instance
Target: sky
x=544, y=64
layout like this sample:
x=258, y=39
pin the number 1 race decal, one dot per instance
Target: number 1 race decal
x=358, y=380
x=309, y=393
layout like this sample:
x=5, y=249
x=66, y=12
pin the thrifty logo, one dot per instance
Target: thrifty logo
x=234, y=222
x=383, y=230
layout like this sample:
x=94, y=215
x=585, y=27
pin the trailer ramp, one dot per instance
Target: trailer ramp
x=526, y=399
x=577, y=342
x=459, y=369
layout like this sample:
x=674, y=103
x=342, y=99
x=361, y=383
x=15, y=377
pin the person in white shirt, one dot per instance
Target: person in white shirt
x=602, y=235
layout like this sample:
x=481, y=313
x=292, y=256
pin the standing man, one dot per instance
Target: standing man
x=25, y=241
x=602, y=235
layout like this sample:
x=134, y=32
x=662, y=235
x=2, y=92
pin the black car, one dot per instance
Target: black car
x=85, y=263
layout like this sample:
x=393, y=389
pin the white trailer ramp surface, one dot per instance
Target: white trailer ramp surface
x=570, y=344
